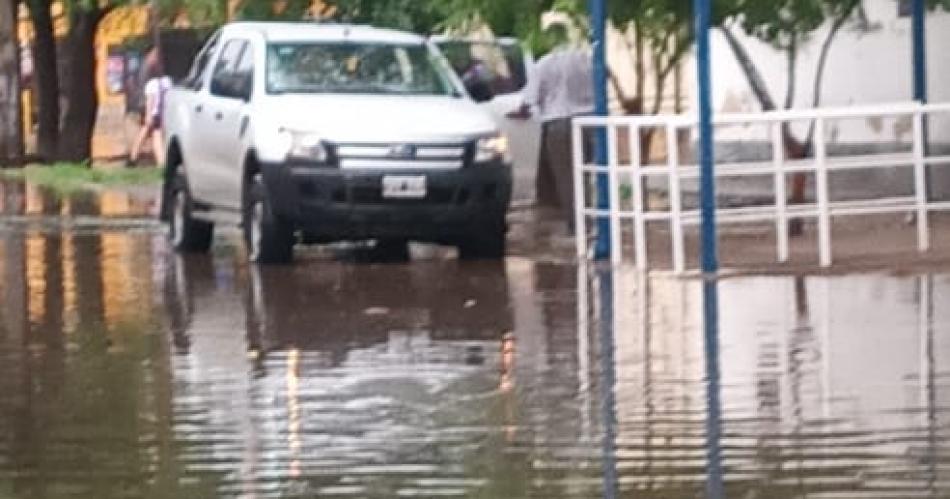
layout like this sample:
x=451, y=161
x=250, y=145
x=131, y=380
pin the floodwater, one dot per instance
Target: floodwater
x=127, y=371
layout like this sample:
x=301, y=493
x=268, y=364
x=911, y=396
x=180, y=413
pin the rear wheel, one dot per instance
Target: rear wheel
x=185, y=233
x=269, y=238
x=486, y=244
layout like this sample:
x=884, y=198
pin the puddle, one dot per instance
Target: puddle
x=126, y=371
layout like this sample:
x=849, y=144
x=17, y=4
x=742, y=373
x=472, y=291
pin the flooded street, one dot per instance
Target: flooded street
x=128, y=371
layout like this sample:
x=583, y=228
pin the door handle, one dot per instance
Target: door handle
x=199, y=108
x=218, y=116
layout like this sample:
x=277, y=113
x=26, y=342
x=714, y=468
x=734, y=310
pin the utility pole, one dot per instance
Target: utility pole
x=11, y=115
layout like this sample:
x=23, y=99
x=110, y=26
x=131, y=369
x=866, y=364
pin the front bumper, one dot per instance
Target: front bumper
x=330, y=204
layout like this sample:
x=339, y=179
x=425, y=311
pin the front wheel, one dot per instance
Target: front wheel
x=269, y=238
x=486, y=244
x=185, y=233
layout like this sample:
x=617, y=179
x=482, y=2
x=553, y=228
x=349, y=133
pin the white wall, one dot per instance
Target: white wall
x=863, y=68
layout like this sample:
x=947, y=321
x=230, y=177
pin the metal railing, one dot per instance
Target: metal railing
x=780, y=212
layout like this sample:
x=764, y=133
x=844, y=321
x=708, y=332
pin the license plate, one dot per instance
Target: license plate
x=404, y=186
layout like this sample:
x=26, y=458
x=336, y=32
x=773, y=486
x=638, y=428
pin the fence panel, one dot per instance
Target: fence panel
x=775, y=170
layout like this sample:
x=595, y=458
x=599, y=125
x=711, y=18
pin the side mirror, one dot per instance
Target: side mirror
x=221, y=86
x=232, y=86
x=243, y=84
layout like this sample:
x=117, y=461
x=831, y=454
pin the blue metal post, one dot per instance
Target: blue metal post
x=920, y=50
x=919, y=24
x=598, y=20
x=710, y=258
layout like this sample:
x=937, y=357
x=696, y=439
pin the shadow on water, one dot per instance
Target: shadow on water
x=126, y=371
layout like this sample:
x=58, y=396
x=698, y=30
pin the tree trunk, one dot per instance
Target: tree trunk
x=46, y=77
x=823, y=63
x=793, y=148
x=791, y=54
x=82, y=101
x=11, y=126
x=640, y=67
x=752, y=74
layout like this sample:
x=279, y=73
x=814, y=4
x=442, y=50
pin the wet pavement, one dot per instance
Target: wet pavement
x=128, y=371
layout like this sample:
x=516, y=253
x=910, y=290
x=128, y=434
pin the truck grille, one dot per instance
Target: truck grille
x=401, y=156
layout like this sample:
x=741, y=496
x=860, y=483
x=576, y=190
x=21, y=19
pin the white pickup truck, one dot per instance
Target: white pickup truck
x=314, y=133
x=505, y=69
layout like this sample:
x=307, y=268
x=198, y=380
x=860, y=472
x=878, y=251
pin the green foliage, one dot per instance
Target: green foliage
x=257, y=10
x=413, y=15
x=786, y=23
x=515, y=18
x=198, y=12
x=72, y=177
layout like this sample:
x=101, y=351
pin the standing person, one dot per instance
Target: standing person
x=155, y=89
x=562, y=88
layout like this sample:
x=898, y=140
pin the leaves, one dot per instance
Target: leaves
x=411, y=15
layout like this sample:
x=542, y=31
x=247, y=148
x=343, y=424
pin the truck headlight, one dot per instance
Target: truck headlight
x=492, y=148
x=306, y=146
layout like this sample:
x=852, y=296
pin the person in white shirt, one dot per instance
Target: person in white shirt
x=561, y=88
x=155, y=90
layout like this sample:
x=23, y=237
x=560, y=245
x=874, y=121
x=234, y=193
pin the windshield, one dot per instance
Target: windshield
x=356, y=68
x=499, y=66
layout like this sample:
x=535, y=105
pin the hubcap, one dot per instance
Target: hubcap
x=178, y=219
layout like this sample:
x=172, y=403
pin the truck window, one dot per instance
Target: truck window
x=195, y=77
x=244, y=68
x=359, y=68
x=500, y=66
x=225, y=70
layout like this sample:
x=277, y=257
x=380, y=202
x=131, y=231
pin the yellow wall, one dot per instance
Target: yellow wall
x=115, y=29
x=59, y=22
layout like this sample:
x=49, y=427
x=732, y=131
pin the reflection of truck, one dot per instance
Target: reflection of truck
x=348, y=308
x=464, y=311
x=331, y=132
x=505, y=68
x=341, y=372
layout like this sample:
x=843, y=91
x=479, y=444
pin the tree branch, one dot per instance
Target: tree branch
x=754, y=77
x=792, y=56
x=823, y=62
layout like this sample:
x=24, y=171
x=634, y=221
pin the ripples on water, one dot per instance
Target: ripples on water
x=129, y=372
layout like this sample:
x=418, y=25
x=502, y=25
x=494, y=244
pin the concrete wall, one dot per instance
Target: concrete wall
x=864, y=67
x=867, y=66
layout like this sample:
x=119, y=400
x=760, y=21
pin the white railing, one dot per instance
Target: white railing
x=778, y=168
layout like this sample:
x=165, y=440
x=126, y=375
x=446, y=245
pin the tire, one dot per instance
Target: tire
x=186, y=234
x=487, y=244
x=269, y=238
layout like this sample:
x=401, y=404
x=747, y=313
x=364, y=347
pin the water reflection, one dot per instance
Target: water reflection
x=126, y=371
x=831, y=387
x=362, y=379
x=75, y=401
x=19, y=199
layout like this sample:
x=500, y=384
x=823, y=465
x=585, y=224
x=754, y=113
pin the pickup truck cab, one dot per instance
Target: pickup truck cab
x=315, y=133
x=495, y=71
